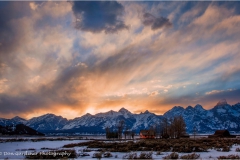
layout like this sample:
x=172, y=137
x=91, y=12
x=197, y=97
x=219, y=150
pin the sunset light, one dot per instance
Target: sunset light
x=78, y=57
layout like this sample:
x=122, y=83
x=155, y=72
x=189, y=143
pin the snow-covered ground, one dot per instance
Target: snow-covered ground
x=211, y=154
x=52, y=137
x=12, y=150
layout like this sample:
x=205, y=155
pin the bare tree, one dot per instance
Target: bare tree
x=164, y=128
x=172, y=128
x=179, y=126
x=120, y=127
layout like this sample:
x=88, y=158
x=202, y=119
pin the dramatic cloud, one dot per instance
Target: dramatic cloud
x=47, y=66
x=10, y=28
x=155, y=23
x=97, y=16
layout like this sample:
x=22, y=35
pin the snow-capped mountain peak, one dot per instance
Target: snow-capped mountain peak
x=47, y=122
x=189, y=108
x=175, y=111
x=17, y=118
x=223, y=102
x=124, y=111
x=198, y=107
x=146, y=112
x=221, y=116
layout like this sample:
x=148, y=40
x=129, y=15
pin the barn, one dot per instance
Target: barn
x=147, y=134
x=221, y=134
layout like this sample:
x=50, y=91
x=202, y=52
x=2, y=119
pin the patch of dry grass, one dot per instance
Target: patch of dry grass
x=231, y=156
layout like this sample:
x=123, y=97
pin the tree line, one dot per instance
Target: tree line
x=166, y=128
x=172, y=128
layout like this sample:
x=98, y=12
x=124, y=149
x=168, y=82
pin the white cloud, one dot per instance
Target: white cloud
x=81, y=64
x=219, y=91
x=214, y=92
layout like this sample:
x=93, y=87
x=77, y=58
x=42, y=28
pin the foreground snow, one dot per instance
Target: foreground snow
x=211, y=154
x=15, y=150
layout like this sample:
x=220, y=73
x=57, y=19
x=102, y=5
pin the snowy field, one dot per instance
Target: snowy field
x=211, y=154
x=15, y=150
x=12, y=150
x=53, y=137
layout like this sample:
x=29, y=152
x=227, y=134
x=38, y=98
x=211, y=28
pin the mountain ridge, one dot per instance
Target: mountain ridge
x=221, y=116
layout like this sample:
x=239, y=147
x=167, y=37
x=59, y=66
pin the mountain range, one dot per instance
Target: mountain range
x=222, y=116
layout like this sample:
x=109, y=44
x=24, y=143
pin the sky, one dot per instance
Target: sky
x=78, y=57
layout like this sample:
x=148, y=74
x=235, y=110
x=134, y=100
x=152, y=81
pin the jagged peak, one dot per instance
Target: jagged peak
x=177, y=107
x=123, y=110
x=198, y=107
x=189, y=107
x=47, y=116
x=237, y=103
x=87, y=115
x=146, y=112
x=17, y=118
x=222, y=102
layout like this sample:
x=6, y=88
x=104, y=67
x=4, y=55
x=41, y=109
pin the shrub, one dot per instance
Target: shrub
x=83, y=154
x=158, y=153
x=237, y=149
x=97, y=155
x=107, y=154
x=171, y=156
x=132, y=155
x=231, y=156
x=87, y=150
x=226, y=149
x=145, y=155
x=190, y=156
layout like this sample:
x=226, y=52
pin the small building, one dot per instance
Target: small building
x=221, y=134
x=147, y=134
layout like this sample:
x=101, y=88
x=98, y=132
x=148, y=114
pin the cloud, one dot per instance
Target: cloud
x=3, y=86
x=54, y=67
x=80, y=64
x=10, y=11
x=214, y=92
x=153, y=93
x=33, y=6
x=155, y=22
x=231, y=95
x=97, y=16
x=10, y=28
